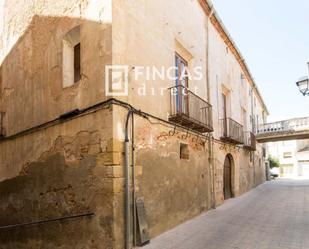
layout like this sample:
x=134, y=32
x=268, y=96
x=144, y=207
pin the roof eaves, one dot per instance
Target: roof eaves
x=216, y=20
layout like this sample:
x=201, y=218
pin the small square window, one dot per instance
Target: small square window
x=184, y=151
x=251, y=157
x=287, y=154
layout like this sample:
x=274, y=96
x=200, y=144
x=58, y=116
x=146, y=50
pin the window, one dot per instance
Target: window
x=0, y=80
x=184, y=151
x=264, y=151
x=242, y=79
x=252, y=122
x=224, y=105
x=71, y=57
x=77, y=63
x=2, y=132
x=181, y=71
x=224, y=113
x=182, y=84
x=287, y=154
x=257, y=121
x=244, y=118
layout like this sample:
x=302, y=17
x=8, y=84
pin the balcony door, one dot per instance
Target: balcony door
x=244, y=118
x=224, y=113
x=182, y=98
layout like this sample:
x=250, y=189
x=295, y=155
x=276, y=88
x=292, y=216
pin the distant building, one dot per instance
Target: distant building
x=293, y=157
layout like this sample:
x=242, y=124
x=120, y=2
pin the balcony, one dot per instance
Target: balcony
x=189, y=110
x=290, y=129
x=232, y=132
x=290, y=125
x=249, y=141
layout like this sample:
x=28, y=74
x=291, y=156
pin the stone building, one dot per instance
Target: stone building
x=67, y=177
x=293, y=157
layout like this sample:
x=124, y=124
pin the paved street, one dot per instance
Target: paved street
x=275, y=215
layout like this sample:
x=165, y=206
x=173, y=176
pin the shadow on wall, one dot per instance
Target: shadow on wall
x=49, y=189
x=31, y=93
x=32, y=72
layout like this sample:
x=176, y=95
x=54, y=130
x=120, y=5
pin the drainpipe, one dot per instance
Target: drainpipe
x=127, y=182
x=210, y=147
x=254, y=128
x=133, y=185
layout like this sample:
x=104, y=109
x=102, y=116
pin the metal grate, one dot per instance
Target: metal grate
x=249, y=141
x=189, y=110
x=232, y=131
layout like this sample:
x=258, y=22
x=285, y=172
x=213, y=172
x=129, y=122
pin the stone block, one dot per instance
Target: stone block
x=94, y=149
x=118, y=185
x=109, y=158
x=114, y=171
x=114, y=145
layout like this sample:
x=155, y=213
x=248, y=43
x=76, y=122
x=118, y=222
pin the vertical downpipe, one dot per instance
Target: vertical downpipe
x=210, y=147
x=253, y=129
x=133, y=185
x=127, y=183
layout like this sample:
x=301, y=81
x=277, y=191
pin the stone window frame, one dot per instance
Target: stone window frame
x=70, y=46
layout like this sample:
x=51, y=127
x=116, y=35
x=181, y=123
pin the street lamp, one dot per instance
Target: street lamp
x=303, y=84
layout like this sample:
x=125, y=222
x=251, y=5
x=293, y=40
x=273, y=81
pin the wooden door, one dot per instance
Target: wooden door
x=227, y=178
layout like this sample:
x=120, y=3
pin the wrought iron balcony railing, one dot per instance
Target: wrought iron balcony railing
x=232, y=131
x=189, y=110
x=249, y=141
x=290, y=125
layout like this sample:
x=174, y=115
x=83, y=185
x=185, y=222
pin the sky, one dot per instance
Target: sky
x=273, y=37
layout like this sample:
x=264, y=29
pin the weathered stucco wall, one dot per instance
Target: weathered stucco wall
x=77, y=166
x=63, y=170
x=174, y=189
x=32, y=59
x=157, y=35
x=148, y=38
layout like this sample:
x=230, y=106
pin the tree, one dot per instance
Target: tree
x=273, y=161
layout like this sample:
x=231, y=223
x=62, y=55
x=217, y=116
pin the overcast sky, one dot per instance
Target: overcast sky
x=273, y=36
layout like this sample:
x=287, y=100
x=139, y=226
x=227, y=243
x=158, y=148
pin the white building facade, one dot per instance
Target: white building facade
x=293, y=157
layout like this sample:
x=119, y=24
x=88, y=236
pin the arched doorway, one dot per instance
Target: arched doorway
x=227, y=177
